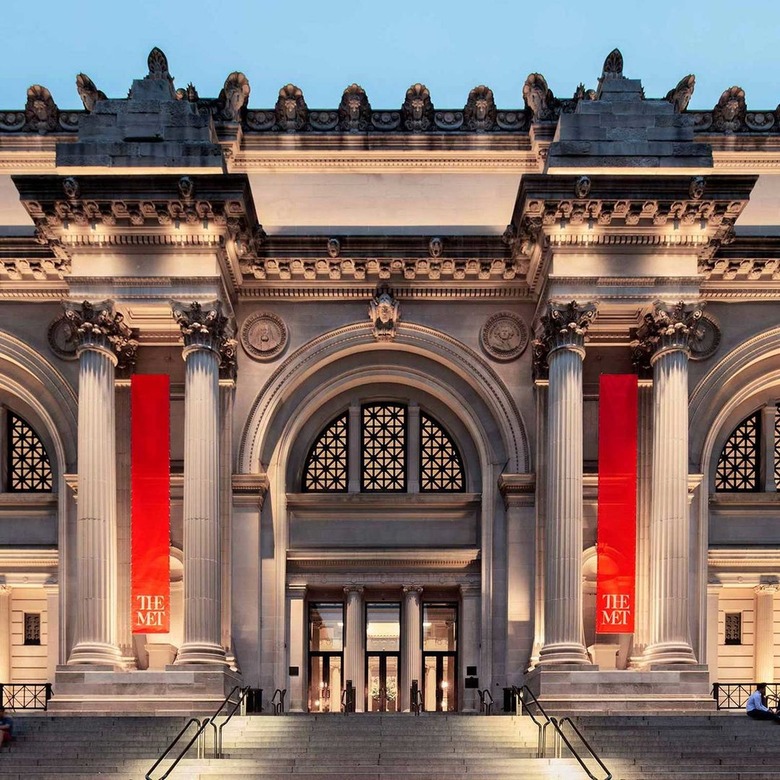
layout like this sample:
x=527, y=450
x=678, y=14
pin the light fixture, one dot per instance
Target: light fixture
x=177, y=224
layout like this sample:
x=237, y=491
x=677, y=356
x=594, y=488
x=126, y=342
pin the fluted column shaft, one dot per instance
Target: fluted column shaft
x=764, y=633
x=670, y=641
x=202, y=531
x=563, y=528
x=411, y=644
x=96, y=533
x=355, y=645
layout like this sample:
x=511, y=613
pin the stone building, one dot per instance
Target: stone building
x=384, y=332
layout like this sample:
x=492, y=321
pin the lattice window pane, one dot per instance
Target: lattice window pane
x=733, y=628
x=777, y=447
x=441, y=467
x=384, y=447
x=738, y=464
x=32, y=629
x=326, y=465
x=29, y=470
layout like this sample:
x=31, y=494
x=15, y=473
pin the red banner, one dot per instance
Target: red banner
x=616, y=543
x=151, y=511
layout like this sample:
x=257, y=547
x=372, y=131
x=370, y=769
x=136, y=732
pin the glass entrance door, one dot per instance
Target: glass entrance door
x=326, y=644
x=383, y=645
x=382, y=682
x=440, y=657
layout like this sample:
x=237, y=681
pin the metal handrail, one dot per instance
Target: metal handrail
x=484, y=705
x=243, y=692
x=734, y=695
x=558, y=727
x=278, y=706
x=541, y=737
x=201, y=727
x=25, y=696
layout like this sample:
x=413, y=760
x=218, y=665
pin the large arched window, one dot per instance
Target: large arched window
x=740, y=463
x=396, y=451
x=29, y=469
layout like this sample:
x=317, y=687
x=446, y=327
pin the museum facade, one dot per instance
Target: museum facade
x=383, y=336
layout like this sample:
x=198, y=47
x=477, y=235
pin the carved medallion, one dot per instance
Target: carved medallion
x=504, y=336
x=705, y=338
x=264, y=336
x=63, y=338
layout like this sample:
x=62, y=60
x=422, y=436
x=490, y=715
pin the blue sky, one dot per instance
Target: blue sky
x=386, y=46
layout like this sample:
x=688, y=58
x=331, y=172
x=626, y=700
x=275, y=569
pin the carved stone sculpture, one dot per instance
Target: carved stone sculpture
x=562, y=325
x=696, y=188
x=435, y=247
x=730, y=112
x=354, y=110
x=538, y=98
x=334, y=247
x=504, y=336
x=190, y=94
x=613, y=65
x=99, y=325
x=681, y=95
x=233, y=98
x=40, y=113
x=479, y=114
x=70, y=186
x=88, y=92
x=158, y=65
x=417, y=109
x=264, y=336
x=205, y=326
x=664, y=327
x=582, y=187
x=291, y=109
x=583, y=94
x=383, y=312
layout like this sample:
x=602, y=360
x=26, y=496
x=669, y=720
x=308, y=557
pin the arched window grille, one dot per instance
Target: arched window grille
x=326, y=464
x=738, y=466
x=29, y=469
x=441, y=468
x=384, y=442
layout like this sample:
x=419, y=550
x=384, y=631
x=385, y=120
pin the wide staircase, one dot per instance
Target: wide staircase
x=381, y=747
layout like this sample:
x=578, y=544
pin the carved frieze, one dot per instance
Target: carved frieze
x=384, y=315
x=504, y=336
x=264, y=336
x=97, y=325
x=664, y=328
x=562, y=326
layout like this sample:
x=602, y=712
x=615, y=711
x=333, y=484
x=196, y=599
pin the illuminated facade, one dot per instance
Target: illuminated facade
x=384, y=331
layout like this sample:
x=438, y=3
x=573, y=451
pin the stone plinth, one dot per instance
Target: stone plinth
x=570, y=688
x=173, y=691
x=161, y=654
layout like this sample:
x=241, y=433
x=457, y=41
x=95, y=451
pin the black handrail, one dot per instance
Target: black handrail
x=201, y=727
x=243, y=692
x=524, y=690
x=25, y=696
x=734, y=695
x=278, y=706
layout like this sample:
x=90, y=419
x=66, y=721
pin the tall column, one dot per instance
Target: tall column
x=5, y=634
x=563, y=345
x=666, y=335
x=296, y=616
x=764, y=633
x=411, y=644
x=355, y=644
x=104, y=341
x=227, y=388
x=205, y=332
x=713, y=614
x=469, y=654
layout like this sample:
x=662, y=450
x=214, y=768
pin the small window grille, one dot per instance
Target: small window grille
x=384, y=448
x=441, y=468
x=777, y=447
x=733, y=628
x=32, y=629
x=326, y=466
x=738, y=464
x=29, y=470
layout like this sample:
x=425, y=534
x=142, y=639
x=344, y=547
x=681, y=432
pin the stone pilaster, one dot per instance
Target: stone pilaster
x=296, y=615
x=561, y=347
x=5, y=634
x=764, y=632
x=355, y=644
x=411, y=643
x=205, y=332
x=52, y=590
x=469, y=651
x=665, y=339
x=713, y=614
x=104, y=342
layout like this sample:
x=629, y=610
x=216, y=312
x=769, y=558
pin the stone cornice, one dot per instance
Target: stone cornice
x=249, y=490
x=459, y=559
x=517, y=489
x=418, y=290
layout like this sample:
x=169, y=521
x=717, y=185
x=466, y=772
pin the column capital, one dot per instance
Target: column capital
x=412, y=591
x=665, y=328
x=470, y=590
x=562, y=326
x=204, y=326
x=354, y=590
x=98, y=327
x=769, y=588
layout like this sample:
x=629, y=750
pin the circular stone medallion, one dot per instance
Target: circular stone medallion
x=63, y=338
x=264, y=336
x=504, y=336
x=705, y=338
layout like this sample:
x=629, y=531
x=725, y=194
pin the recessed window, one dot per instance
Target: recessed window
x=326, y=466
x=29, y=470
x=738, y=465
x=733, y=628
x=32, y=628
x=440, y=465
x=384, y=448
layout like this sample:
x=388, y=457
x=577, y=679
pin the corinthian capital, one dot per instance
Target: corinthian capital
x=202, y=324
x=98, y=326
x=665, y=328
x=562, y=326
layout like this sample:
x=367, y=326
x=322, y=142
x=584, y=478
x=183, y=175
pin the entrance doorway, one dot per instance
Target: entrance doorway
x=383, y=645
x=440, y=657
x=326, y=645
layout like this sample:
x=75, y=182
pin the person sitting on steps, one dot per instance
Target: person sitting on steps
x=756, y=707
x=6, y=727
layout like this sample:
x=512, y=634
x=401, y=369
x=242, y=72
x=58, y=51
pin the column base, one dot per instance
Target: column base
x=573, y=689
x=201, y=653
x=666, y=653
x=96, y=654
x=564, y=653
x=175, y=691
